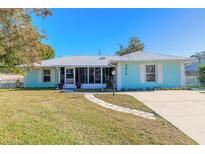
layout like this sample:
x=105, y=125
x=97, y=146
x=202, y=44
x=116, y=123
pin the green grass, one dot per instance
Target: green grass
x=50, y=117
x=123, y=100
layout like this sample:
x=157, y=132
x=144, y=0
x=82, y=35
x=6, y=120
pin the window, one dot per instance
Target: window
x=97, y=75
x=83, y=75
x=91, y=75
x=126, y=69
x=69, y=73
x=150, y=73
x=47, y=75
x=105, y=75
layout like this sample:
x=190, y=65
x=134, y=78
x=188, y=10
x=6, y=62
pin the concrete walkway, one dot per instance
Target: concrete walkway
x=135, y=112
x=184, y=109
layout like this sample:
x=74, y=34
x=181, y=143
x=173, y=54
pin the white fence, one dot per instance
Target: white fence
x=11, y=84
x=192, y=81
x=11, y=80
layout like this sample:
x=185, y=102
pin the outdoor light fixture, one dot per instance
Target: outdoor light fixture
x=113, y=72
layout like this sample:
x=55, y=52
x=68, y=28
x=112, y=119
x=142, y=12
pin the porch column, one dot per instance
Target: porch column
x=101, y=77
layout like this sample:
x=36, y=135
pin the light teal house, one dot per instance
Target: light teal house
x=138, y=70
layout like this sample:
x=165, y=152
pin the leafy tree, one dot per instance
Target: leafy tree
x=202, y=74
x=46, y=52
x=135, y=45
x=19, y=39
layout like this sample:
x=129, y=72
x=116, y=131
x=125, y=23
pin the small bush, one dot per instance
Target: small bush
x=202, y=74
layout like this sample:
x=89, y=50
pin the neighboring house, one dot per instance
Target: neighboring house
x=192, y=70
x=133, y=71
x=11, y=80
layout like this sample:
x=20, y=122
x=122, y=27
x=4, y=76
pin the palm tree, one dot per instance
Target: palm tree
x=135, y=45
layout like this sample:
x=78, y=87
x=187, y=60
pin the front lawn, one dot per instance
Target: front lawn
x=50, y=117
x=124, y=101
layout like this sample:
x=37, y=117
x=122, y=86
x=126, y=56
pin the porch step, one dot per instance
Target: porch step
x=68, y=89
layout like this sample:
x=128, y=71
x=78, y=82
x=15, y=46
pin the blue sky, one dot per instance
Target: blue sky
x=85, y=31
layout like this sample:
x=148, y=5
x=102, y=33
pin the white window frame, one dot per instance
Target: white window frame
x=147, y=73
x=46, y=75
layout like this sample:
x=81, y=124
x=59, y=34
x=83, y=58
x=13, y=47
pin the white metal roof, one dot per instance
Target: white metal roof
x=92, y=61
x=146, y=56
x=79, y=61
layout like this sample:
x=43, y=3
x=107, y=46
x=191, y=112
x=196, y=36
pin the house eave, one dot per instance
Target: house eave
x=188, y=60
x=38, y=66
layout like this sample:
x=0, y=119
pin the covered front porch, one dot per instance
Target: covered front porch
x=86, y=77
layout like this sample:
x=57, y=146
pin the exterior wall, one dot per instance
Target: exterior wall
x=171, y=75
x=32, y=79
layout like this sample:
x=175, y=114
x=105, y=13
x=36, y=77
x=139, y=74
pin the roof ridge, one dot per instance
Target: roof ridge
x=80, y=56
x=167, y=55
x=154, y=53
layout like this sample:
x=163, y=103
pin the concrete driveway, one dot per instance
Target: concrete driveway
x=184, y=109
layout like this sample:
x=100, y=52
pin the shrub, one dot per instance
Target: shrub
x=202, y=74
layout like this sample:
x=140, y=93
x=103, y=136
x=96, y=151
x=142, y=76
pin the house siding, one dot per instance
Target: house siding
x=32, y=79
x=130, y=78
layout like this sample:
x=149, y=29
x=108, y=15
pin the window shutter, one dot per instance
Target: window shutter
x=40, y=75
x=52, y=75
x=160, y=74
x=142, y=73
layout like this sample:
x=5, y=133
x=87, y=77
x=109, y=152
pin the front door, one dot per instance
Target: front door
x=69, y=78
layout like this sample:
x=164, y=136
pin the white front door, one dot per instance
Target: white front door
x=69, y=78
